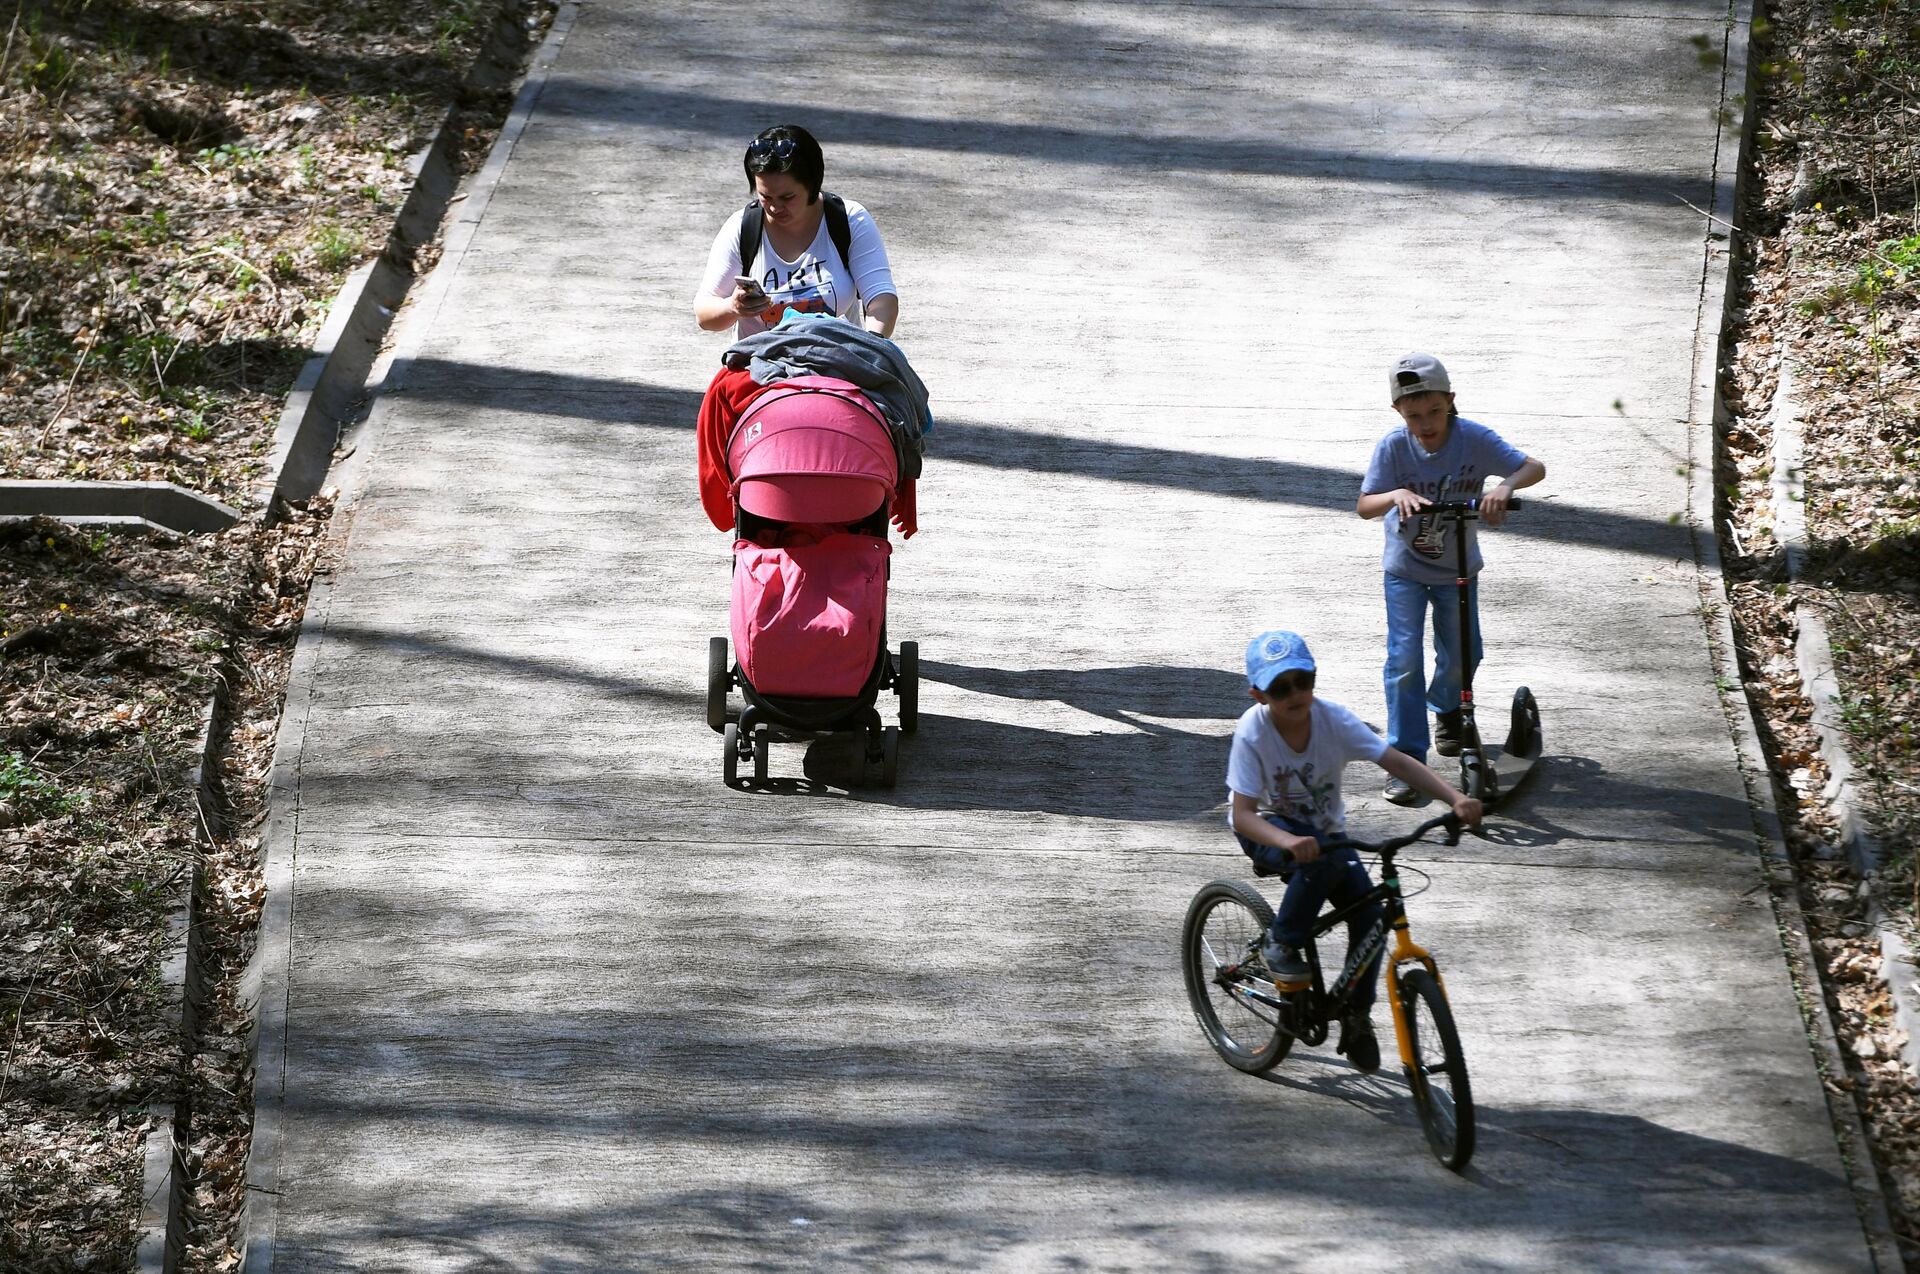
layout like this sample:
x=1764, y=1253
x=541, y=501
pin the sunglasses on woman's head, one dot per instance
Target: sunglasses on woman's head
x=1291, y=683
x=765, y=151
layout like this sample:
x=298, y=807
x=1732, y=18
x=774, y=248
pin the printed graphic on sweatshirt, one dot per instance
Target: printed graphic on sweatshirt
x=1430, y=532
x=1429, y=537
x=808, y=287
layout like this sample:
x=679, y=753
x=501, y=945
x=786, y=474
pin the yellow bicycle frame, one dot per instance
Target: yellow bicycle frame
x=1406, y=951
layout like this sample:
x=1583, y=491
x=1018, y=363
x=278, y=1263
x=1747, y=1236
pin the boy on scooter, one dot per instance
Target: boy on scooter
x=1437, y=455
x=1283, y=782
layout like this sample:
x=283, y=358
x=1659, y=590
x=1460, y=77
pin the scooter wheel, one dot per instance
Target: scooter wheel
x=1523, y=728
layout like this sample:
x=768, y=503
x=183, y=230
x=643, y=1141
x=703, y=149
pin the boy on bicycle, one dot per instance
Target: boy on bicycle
x=1438, y=455
x=1283, y=779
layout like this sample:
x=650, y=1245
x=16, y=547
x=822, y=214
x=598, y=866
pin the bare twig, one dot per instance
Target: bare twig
x=7, y=54
x=93, y=338
x=249, y=266
x=19, y=1016
x=1703, y=212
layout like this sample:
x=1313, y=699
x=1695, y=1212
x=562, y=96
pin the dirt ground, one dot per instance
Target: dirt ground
x=186, y=184
x=1831, y=257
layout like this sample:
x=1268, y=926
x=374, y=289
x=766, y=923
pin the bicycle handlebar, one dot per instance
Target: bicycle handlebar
x=1393, y=844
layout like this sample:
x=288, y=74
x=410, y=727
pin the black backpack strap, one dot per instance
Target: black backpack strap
x=752, y=226
x=837, y=228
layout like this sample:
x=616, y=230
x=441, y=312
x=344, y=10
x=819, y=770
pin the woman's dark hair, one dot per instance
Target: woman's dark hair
x=787, y=148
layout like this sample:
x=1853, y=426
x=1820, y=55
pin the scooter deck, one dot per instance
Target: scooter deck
x=1514, y=759
x=1511, y=769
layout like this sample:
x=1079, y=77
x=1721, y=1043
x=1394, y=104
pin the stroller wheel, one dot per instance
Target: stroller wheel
x=730, y=741
x=719, y=681
x=889, y=756
x=907, y=686
x=760, y=750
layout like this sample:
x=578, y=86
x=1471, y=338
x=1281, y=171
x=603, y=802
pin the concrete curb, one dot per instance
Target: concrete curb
x=1812, y=647
x=160, y=504
x=163, y=1191
x=265, y=984
x=1706, y=412
x=335, y=380
x=1813, y=659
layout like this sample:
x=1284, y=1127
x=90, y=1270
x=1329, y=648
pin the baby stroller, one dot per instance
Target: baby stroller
x=813, y=475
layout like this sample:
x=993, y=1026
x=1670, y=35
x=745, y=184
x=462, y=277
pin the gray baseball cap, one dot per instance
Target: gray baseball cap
x=1417, y=373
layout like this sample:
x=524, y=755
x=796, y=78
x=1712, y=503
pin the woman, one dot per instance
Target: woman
x=809, y=251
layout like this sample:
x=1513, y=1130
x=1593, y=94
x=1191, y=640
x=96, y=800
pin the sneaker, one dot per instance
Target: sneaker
x=1285, y=963
x=1398, y=791
x=1447, y=735
x=1359, y=1044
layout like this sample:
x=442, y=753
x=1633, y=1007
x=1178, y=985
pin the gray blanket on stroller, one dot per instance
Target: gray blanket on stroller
x=826, y=345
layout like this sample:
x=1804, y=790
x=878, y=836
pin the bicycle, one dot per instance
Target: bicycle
x=1252, y=1021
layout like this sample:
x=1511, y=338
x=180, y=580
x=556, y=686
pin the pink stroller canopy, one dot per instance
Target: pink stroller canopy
x=812, y=449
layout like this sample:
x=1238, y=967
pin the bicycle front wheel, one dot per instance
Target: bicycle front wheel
x=1439, y=1073
x=1225, y=923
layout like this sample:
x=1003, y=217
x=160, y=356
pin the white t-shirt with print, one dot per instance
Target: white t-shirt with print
x=1301, y=785
x=817, y=282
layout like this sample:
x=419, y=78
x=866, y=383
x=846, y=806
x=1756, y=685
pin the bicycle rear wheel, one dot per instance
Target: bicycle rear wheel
x=1438, y=1077
x=1224, y=925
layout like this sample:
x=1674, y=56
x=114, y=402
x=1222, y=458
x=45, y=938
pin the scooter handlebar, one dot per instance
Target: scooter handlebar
x=1468, y=508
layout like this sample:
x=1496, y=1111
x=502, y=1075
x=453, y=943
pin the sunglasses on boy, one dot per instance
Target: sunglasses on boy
x=765, y=152
x=1291, y=683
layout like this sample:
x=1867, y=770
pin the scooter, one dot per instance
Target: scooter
x=1487, y=774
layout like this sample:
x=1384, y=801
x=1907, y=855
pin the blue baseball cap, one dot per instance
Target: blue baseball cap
x=1271, y=654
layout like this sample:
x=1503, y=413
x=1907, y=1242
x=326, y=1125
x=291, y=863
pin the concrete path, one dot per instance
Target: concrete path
x=543, y=994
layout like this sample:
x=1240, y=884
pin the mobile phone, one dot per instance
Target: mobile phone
x=748, y=282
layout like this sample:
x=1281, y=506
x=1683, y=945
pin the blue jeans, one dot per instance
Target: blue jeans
x=1409, y=691
x=1337, y=876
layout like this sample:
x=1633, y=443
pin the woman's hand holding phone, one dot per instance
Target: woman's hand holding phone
x=748, y=297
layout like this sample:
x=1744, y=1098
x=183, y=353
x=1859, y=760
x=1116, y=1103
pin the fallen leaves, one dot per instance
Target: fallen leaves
x=187, y=190
x=1827, y=287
